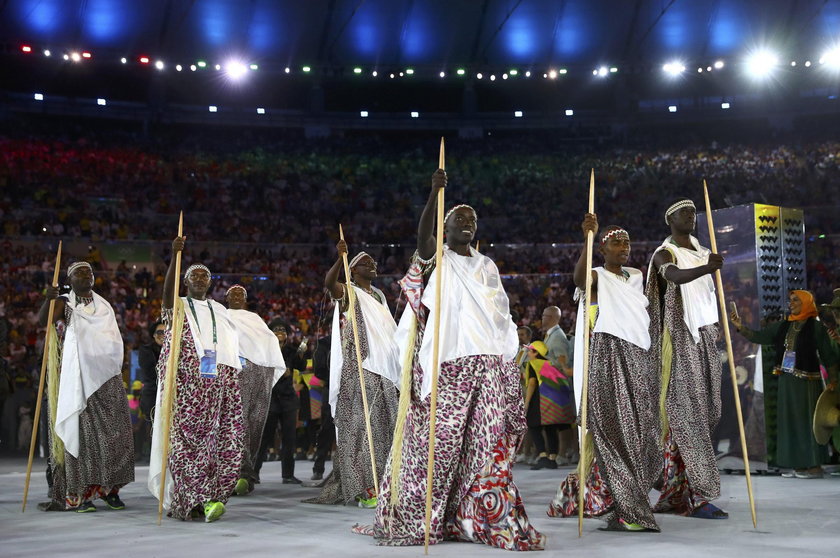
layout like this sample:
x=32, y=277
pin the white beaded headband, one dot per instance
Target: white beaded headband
x=193, y=268
x=451, y=211
x=358, y=258
x=677, y=206
x=612, y=233
x=74, y=266
x=236, y=286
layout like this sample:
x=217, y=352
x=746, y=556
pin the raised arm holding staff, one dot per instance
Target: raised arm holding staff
x=364, y=372
x=479, y=411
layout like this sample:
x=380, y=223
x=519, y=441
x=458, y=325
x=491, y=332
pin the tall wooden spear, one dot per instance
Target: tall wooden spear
x=724, y=320
x=584, y=395
x=44, y=358
x=430, y=465
x=169, y=384
x=351, y=300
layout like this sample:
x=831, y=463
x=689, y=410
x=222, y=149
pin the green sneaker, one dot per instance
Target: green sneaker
x=241, y=488
x=213, y=511
x=367, y=503
x=86, y=507
x=630, y=526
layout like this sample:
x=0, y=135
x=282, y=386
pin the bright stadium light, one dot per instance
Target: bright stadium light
x=718, y=64
x=178, y=68
x=563, y=71
x=193, y=67
x=528, y=74
x=415, y=114
x=552, y=74
x=479, y=75
x=364, y=113
x=160, y=65
x=674, y=68
x=201, y=64
x=357, y=70
x=570, y=112
x=26, y=48
x=601, y=72
x=75, y=56
x=725, y=106
x=307, y=69
x=409, y=71
x=235, y=70
x=672, y=108
x=831, y=58
x=213, y=108
x=47, y=53
x=101, y=102
x=517, y=114
x=761, y=64
x=492, y=77
x=38, y=96
x=374, y=73
x=254, y=67
x=260, y=110
x=460, y=71
x=287, y=70
x=442, y=74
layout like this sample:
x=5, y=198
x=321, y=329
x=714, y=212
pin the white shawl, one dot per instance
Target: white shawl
x=475, y=314
x=698, y=297
x=227, y=340
x=92, y=355
x=380, y=328
x=257, y=343
x=622, y=312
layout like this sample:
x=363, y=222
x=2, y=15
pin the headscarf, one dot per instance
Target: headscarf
x=540, y=347
x=809, y=306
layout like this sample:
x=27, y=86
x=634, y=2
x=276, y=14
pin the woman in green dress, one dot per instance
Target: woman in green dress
x=802, y=344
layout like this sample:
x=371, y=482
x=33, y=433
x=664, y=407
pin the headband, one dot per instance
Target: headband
x=358, y=258
x=612, y=233
x=677, y=206
x=451, y=211
x=236, y=286
x=193, y=268
x=74, y=266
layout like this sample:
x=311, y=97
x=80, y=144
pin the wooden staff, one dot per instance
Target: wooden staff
x=582, y=474
x=430, y=464
x=724, y=320
x=41, y=381
x=169, y=385
x=351, y=300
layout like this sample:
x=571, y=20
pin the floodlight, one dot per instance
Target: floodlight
x=101, y=102
x=517, y=114
x=672, y=108
x=39, y=96
x=212, y=108
x=674, y=68
x=235, y=69
x=760, y=64
x=363, y=113
x=260, y=110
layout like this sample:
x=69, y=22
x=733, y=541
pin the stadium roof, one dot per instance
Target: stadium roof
x=434, y=33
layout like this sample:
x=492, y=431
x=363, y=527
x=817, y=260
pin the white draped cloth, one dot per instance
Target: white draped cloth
x=257, y=343
x=380, y=330
x=698, y=297
x=227, y=339
x=622, y=312
x=475, y=313
x=227, y=352
x=92, y=354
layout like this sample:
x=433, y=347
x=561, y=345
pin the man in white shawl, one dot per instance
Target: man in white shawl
x=480, y=415
x=262, y=366
x=208, y=429
x=684, y=316
x=92, y=444
x=622, y=422
x=351, y=479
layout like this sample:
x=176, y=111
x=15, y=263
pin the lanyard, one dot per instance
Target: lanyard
x=212, y=316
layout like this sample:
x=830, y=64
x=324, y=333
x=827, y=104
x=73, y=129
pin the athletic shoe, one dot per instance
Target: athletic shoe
x=709, y=511
x=241, y=488
x=543, y=463
x=213, y=511
x=808, y=474
x=50, y=506
x=114, y=502
x=317, y=476
x=292, y=480
x=86, y=507
x=367, y=503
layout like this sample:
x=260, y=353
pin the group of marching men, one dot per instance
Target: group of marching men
x=653, y=390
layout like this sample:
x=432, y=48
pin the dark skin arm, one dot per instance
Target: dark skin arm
x=58, y=313
x=682, y=276
x=331, y=280
x=169, y=282
x=590, y=223
x=426, y=243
